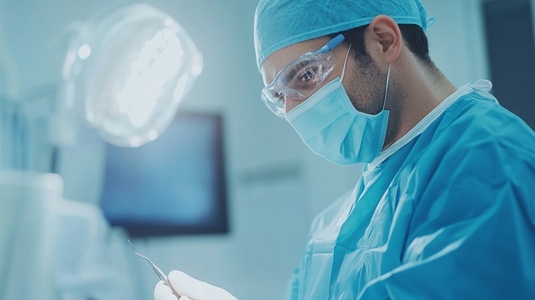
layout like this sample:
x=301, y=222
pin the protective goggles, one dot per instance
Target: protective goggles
x=300, y=78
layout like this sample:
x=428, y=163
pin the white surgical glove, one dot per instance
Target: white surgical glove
x=189, y=288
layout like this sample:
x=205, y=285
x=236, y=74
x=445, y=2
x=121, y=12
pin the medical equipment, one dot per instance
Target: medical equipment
x=125, y=74
x=300, y=78
x=157, y=270
x=28, y=233
x=155, y=202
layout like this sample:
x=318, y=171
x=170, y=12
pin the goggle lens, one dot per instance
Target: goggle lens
x=298, y=80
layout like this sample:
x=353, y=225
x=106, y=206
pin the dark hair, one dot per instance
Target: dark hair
x=413, y=35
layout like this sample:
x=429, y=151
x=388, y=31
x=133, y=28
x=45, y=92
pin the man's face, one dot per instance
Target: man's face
x=362, y=79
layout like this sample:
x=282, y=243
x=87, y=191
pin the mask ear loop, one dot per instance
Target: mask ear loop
x=386, y=88
x=345, y=63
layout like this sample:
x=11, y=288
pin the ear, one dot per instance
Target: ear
x=384, y=39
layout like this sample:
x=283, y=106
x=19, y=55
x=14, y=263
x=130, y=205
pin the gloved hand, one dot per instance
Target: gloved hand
x=189, y=288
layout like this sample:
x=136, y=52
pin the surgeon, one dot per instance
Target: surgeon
x=445, y=206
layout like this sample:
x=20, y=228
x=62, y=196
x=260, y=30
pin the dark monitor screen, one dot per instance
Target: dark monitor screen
x=172, y=185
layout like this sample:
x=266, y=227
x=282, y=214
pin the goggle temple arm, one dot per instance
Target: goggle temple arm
x=332, y=44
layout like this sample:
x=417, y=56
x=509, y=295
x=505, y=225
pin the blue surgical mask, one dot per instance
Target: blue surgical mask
x=333, y=128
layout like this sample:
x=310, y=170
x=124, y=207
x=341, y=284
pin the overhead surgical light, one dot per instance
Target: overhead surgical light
x=126, y=74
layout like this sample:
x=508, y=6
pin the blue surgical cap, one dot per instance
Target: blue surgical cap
x=281, y=23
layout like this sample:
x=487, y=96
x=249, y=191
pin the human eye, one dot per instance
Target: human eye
x=307, y=75
x=307, y=78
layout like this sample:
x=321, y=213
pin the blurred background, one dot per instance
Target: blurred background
x=226, y=191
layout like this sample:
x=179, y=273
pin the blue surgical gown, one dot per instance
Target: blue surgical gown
x=450, y=215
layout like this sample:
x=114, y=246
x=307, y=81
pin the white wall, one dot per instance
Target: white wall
x=269, y=218
x=457, y=40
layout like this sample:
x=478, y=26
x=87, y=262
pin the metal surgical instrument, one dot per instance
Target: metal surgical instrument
x=157, y=270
